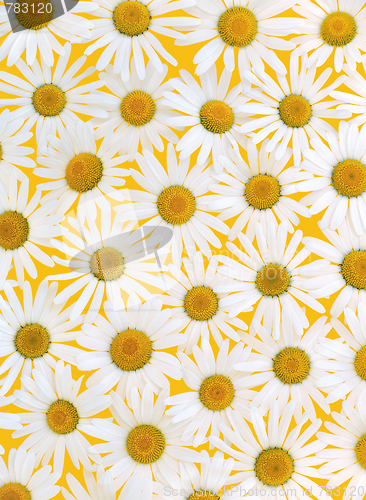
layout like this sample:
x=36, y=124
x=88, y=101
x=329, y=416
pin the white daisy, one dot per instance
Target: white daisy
x=127, y=349
x=271, y=276
x=136, y=113
x=23, y=229
x=294, y=110
x=354, y=101
x=211, y=112
x=272, y=458
x=217, y=391
x=336, y=25
x=286, y=369
x=257, y=191
x=50, y=99
x=33, y=29
x=340, y=187
x=33, y=333
x=80, y=172
x=56, y=414
x=19, y=481
x=128, y=26
x=8, y=420
x=198, y=305
x=143, y=442
x=246, y=27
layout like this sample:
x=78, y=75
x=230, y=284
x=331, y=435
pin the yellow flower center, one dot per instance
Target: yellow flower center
x=176, y=205
x=201, y=303
x=262, y=191
x=291, y=365
x=216, y=117
x=107, y=264
x=14, y=491
x=62, y=417
x=131, y=18
x=273, y=467
x=353, y=269
x=84, y=172
x=273, y=280
x=216, y=392
x=360, y=452
x=14, y=230
x=349, y=178
x=338, y=29
x=131, y=350
x=237, y=26
x=203, y=495
x=32, y=341
x=34, y=14
x=295, y=111
x=138, y=107
x=360, y=363
x=49, y=100
x=145, y=444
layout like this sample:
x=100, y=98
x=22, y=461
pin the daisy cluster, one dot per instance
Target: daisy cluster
x=194, y=173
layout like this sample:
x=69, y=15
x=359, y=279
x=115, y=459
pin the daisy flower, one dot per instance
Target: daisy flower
x=127, y=27
x=247, y=28
x=217, y=391
x=135, y=110
x=19, y=481
x=103, y=259
x=211, y=112
x=143, y=442
x=340, y=187
x=341, y=269
x=23, y=229
x=8, y=420
x=348, y=355
x=50, y=100
x=127, y=348
x=197, y=303
x=286, y=368
x=272, y=458
x=33, y=333
x=257, y=191
x=271, y=276
x=56, y=414
x=294, y=110
x=354, y=101
x=35, y=31
x=346, y=458
x=80, y=172
x=175, y=199
x=330, y=26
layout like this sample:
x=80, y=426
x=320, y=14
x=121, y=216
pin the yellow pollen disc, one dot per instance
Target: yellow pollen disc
x=353, y=269
x=145, y=444
x=295, y=111
x=32, y=341
x=14, y=491
x=262, y=191
x=216, y=117
x=131, y=350
x=14, y=230
x=131, y=18
x=291, y=365
x=34, y=14
x=237, y=26
x=201, y=303
x=274, y=466
x=216, y=392
x=138, y=107
x=107, y=264
x=62, y=417
x=349, y=178
x=338, y=29
x=360, y=363
x=176, y=205
x=49, y=100
x=203, y=495
x=273, y=280
x=360, y=452
x=84, y=172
